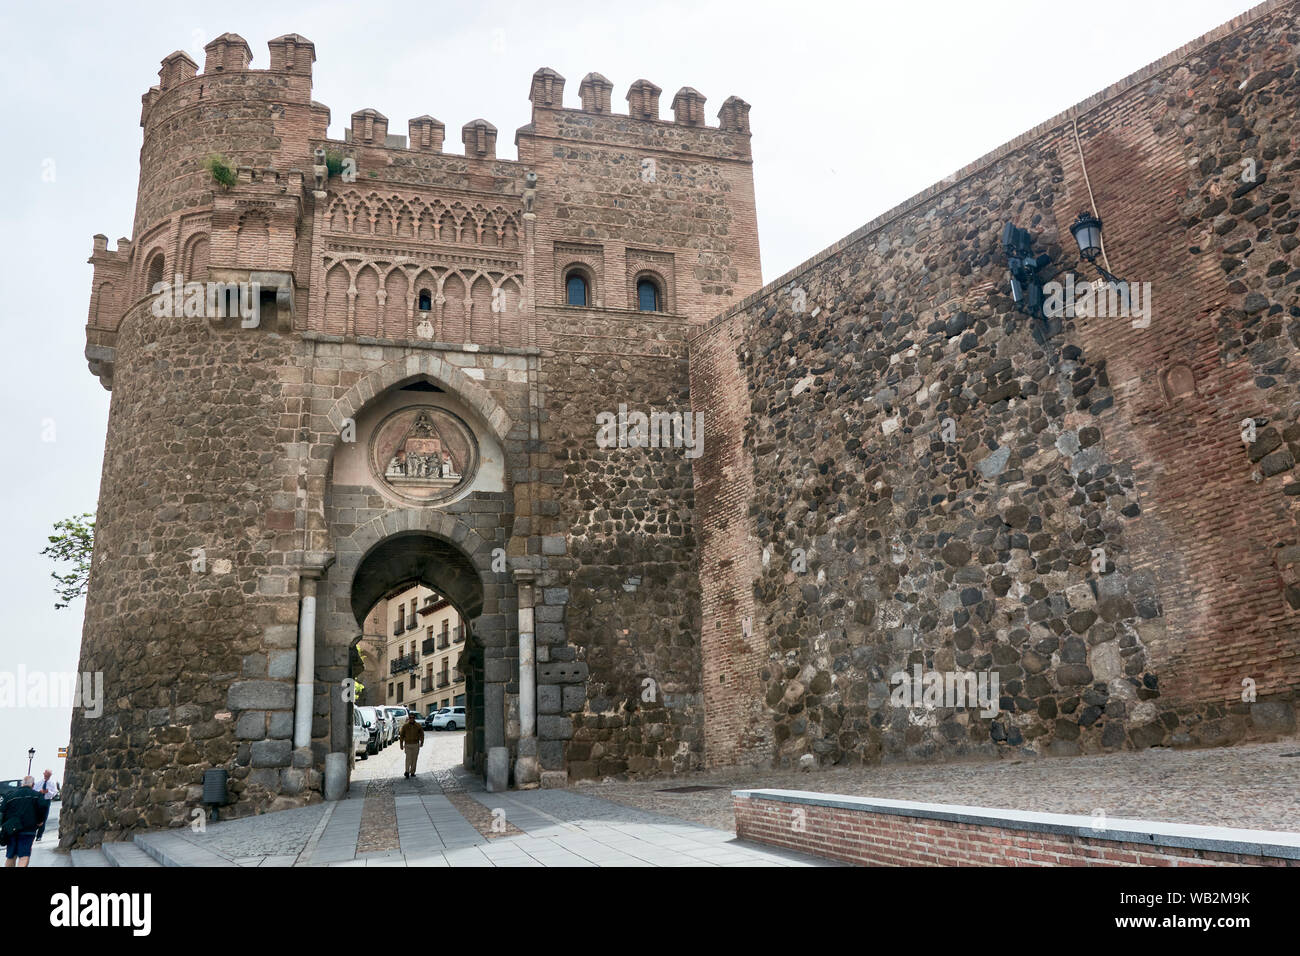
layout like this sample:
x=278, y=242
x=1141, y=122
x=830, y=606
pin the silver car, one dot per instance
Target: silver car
x=376, y=721
x=360, y=735
x=397, y=715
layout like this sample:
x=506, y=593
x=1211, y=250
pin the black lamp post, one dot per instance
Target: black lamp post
x=31, y=755
x=1087, y=233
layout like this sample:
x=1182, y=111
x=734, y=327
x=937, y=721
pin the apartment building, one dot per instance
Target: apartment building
x=426, y=638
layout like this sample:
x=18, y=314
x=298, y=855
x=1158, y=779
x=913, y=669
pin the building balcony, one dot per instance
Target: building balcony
x=459, y=635
x=398, y=628
x=442, y=680
x=402, y=664
x=428, y=646
x=431, y=605
x=426, y=685
x=443, y=642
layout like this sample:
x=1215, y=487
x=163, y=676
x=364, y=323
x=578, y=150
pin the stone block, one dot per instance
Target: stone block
x=498, y=769
x=548, y=698
x=260, y=695
x=550, y=633
x=498, y=670
x=272, y=753
x=281, y=726
x=561, y=672
x=554, y=779
x=292, y=780
x=282, y=664
x=270, y=779
x=554, y=728
x=1273, y=717
x=575, y=696
x=254, y=665
x=550, y=754
x=494, y=715
x=251, y=725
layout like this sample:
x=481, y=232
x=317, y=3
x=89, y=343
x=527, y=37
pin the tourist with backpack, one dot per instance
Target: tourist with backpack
x=19, y=819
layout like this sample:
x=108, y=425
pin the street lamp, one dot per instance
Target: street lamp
x=1087, y=233
x=31, y=755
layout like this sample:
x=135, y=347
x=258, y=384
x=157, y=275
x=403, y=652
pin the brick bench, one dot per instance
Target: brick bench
x=873, y=832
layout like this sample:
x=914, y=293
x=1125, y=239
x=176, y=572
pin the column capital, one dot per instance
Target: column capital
x=312, y=564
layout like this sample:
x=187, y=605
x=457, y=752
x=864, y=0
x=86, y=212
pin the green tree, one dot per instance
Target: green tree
x=72, y=543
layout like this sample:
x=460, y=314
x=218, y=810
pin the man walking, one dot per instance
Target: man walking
x=411, y=739
x=47, y=789
x=18, y=822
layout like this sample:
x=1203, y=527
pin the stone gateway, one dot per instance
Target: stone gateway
x=873, y=466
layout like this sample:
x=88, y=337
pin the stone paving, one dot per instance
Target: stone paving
x=444, y=817
x=1249, y=786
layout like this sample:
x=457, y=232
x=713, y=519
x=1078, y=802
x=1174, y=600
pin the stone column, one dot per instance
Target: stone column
x=305, y=692
x=527, y=773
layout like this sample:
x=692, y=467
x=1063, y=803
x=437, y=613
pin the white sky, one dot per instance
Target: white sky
x=856, y=107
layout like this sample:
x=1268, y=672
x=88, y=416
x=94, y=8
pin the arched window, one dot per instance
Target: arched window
x=426, y=300
x=575, y=287
x=647, y=296
x=155, y=272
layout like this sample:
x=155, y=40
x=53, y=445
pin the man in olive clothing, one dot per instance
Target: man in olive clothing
x=21, y=815
x=411, y=739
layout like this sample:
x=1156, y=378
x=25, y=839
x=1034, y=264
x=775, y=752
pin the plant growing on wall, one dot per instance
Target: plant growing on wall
x=72, y=543
x=221, y=171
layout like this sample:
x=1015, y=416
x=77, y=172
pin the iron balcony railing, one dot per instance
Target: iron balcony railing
x=442, y=680
x=402, y=664
x=426, y=685
x=398, y=627
x=428, y=646
x=460, y=635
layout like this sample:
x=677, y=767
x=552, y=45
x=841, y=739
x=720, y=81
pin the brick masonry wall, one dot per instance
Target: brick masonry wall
x=867, y=838
x=944, y=477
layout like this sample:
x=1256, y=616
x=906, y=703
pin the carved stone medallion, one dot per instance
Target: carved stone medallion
x=423, y=454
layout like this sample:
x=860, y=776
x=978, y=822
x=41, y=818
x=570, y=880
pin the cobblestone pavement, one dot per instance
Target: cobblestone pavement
x=1252, y=787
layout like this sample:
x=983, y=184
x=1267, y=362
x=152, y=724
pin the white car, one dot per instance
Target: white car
x=376, y=721
x=360, y=735
x=449, y=718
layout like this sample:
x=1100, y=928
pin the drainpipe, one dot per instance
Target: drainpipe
x=527, y=772
x=306, y=690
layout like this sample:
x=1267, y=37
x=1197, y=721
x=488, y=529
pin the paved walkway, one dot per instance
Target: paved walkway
x=444, y=817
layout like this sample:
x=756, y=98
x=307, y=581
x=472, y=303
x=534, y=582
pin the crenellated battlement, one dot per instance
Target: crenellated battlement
x=239, y=174
x=547, y=93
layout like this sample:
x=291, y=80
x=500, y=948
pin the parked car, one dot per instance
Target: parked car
x=450, y=718
x=374, y=722
x=428, y=721
x=360, y=735
x=6, y=786
x=398, y=716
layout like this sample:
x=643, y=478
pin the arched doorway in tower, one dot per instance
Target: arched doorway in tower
x=417, y=599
